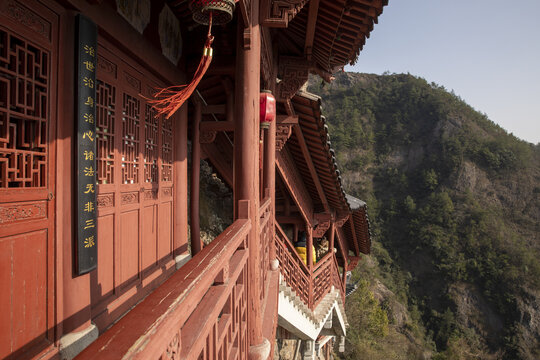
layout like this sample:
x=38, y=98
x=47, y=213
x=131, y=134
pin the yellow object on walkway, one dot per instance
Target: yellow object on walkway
x=301, y=250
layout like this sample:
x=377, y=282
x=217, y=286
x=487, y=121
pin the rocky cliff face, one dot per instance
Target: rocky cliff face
x=455, y=202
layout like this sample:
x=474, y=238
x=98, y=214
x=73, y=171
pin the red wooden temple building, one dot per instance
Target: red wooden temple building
x=100, y=250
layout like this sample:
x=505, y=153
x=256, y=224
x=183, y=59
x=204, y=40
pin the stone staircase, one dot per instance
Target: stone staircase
x=322, y=313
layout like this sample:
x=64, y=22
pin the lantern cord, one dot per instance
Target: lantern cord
x=168, y=100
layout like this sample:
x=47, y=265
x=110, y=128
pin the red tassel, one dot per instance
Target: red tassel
x=168, y=100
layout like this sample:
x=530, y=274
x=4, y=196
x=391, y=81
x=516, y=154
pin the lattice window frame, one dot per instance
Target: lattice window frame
x=106, y=95
x=24, y=112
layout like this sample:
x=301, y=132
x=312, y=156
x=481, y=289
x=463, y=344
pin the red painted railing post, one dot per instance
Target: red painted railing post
x=309, y=251
x=243, y=209
x=332, y=236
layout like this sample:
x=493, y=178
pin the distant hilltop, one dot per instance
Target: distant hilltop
x=455, y=205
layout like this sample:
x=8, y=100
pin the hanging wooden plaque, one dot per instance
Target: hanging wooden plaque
x=85, y=100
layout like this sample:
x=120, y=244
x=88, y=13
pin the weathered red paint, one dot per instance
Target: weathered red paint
x=135, y=187
x=246, y=155
x=181, y=316
x=28, y=180
x=180, y=211
x=196, y=243
x=143, y=215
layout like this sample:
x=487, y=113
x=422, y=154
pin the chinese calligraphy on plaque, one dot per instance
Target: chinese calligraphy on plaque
x=86, y=58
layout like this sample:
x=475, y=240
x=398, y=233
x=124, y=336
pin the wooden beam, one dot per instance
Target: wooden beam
x=229, y=90
x=218, y=161
x=245, y=11
x=287, y=205
x=289, y=220
x=324, y=220
x=216, y=126
x=289, y=107
x=292, y=208
x=311, y=166
x=222, y=65
x=332, y=236
x=310, y=29
x=354, y=260
x=343, y=247
x=287, y=119
x=292, y=180
x=356, y=248
x=214, y=109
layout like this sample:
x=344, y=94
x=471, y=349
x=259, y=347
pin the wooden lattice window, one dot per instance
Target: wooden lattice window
x=130, y=140
x=151, y=151
x=166, y=149
x=24, y=113
x=105, y=108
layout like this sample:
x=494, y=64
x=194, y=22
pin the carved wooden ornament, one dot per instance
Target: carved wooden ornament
x=278, y=13
x=283, y=133
x=207, y=136
x=294, y=72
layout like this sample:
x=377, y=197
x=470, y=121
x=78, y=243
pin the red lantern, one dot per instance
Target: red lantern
x=268, y=109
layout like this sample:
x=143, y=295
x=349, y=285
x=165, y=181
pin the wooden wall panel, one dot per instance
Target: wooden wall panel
x=128, y=261
x=5, y=297
x=28, y=118
x=105, y=270
x=24, y=290
x=29, y=287
x=149, y=246
x=134, y=186
x=165, y=230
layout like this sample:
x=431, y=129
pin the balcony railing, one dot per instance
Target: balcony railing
x=200, y=312
x=311, y=288
x=291, y=266
x=265, y=236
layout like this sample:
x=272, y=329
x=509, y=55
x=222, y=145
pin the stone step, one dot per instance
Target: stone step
x=322, y=310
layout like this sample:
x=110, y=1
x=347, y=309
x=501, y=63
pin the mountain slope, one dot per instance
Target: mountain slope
x=455, y=202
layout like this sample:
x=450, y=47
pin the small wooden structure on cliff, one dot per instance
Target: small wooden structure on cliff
x=141, y=294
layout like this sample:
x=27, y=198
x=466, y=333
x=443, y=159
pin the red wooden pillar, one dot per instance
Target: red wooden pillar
x=196, y=244
x=345, y=263
x=76, y=297
x=246, y=169
x=309, y=251
x=270, y=178
x=181, y=184
x=309, y=248
x=332, y=237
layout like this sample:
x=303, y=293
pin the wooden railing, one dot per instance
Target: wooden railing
x=337, y=280
x=291, y=266
x=265, y=236
x=199, y=313
x=297, y=276
x=322, y=278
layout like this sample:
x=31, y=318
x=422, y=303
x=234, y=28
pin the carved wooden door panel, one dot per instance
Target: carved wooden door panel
x=28, y=61
x=135, y=188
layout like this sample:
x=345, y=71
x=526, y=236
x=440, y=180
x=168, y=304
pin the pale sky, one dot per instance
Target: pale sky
x=487, y=51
